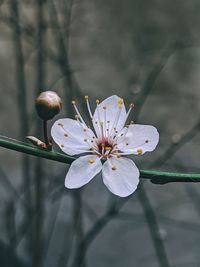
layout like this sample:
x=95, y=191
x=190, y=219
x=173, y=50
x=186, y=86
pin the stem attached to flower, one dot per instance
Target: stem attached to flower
x=45, y=132
x=46, y=140
x=156, y=177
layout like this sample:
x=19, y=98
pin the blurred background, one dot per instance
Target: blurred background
x=147, y=52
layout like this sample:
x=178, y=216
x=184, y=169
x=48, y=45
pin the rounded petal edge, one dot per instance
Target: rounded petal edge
x=82, y=171
x=121, y=176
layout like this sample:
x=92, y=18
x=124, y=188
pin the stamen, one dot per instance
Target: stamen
x=91, y=161
x=129, y=111
x=77, y=117
x=122, y=134
x=101, y=126
x=99, y=123
x=78, y=113
x=114, y=126
x=88, y=106
x=94, y=150
x=114, y=168
x=103, y=148
x=139, y=152
x=88, y=138
x=104, y=108
x=107, y=151
x=66, y=134
x=120, y=103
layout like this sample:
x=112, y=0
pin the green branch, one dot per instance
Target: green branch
x=156, y=177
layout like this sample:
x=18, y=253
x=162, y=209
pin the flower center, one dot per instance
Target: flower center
x=105, y=147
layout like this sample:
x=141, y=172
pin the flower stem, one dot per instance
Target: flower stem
x=45, y=132
x=156, y=177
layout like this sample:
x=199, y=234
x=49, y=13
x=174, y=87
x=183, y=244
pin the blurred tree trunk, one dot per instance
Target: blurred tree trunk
x=22, y=107
x=39, y=173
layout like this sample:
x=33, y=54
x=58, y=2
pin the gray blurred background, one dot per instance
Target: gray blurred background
x=147, y=52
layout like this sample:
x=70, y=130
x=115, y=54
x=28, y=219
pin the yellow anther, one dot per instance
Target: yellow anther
x=73, y=102
x=97, y=101
x=114, y=168
x=108, y=148
x=91, y=161
x=139, y=152
x=120, y=101
x=120, y=105
x=86, y=97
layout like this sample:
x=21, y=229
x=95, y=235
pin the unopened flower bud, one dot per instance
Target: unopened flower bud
x=48, y=104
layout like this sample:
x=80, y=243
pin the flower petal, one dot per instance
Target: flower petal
x=72, y=136
x=111, y=114
x=82, y=170
x=138, y=139
x=121, y=176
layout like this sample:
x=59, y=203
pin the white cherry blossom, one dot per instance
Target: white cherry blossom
x=105, y=147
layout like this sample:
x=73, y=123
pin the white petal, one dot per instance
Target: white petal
x=123, y=180
x=112, y=111
x=138, y=139
x=82, y=170
x=71, y=137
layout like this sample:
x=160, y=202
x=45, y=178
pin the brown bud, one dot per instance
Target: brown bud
x=48, y=104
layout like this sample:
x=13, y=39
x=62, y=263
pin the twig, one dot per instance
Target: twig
x=152, y=77
x=38, y=172
x=176, y=146
x=153, y=226
x=11, y=224
x=22, y=102
x=72, y=88
x=94, y=231
x=156, y=177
